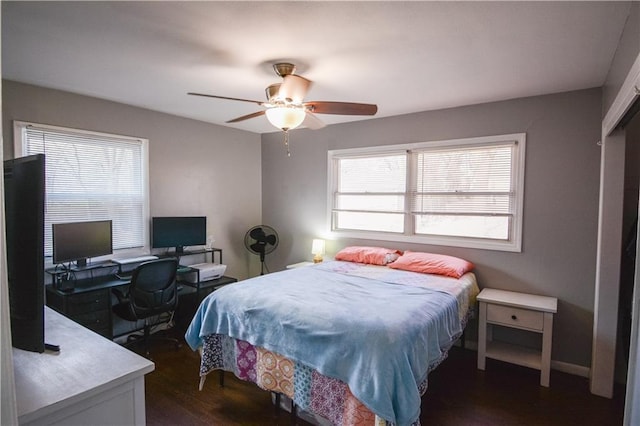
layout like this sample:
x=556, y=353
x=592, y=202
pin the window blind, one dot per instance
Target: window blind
x=464, y=191
x=371, y=192
x=91, y=176
x=460, y=192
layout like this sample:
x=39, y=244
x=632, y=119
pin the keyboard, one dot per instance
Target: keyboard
x=134, y=259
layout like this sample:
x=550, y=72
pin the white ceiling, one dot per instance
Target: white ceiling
x=403, y=56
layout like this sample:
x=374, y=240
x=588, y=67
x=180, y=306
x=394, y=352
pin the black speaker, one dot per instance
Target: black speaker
x=24, y=186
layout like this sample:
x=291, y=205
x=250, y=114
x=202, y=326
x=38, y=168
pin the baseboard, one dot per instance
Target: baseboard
x=564, y=367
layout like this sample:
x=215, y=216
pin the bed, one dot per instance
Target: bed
x=349, y=342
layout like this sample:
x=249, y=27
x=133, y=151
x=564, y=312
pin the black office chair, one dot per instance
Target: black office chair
x=153, y=291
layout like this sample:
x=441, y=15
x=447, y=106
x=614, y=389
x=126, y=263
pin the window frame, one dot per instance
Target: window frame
x=19, y=133
x=512, y=244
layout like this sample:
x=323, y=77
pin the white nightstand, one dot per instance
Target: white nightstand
x=299, y=265
x=516, y=310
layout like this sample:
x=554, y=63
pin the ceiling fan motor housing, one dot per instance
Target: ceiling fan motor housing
x=284, y=68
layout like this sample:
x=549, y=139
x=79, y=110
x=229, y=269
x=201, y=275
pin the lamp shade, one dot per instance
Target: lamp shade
x=317, y=249
x=285, y=118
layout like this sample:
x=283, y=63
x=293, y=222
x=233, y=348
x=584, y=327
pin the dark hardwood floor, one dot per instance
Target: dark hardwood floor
x=458, y=394
x=173, y=398
x=505, y=394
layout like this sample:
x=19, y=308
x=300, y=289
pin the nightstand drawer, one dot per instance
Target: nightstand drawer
x=515, y=317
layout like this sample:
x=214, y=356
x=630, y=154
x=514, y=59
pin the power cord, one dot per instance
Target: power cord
x=65, y=280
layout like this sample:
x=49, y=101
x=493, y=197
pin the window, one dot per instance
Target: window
x=465, y=192
x=91, y=176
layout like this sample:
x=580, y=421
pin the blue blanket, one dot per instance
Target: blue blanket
x=378, y=337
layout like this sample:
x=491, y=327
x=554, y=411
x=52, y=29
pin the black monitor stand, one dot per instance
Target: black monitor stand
x=85, y=265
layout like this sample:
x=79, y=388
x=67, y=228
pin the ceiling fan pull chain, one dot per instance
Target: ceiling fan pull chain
x=286, y=142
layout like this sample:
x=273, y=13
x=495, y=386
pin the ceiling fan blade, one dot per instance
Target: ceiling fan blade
x=294, y=88
x=341, y=108
x=312, y=122
x=246, y=117
x=226, y=97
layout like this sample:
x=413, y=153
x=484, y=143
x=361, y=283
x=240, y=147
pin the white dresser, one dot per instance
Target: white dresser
x=91, y=381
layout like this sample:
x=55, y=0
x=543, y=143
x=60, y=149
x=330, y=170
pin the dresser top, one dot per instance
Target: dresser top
x=519, y=300
x=86, y=364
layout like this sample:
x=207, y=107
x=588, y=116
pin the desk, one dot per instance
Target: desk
x=190, y=298
x=73, y=386
x=90, y=301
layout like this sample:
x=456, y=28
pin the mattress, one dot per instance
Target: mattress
x=349, y=342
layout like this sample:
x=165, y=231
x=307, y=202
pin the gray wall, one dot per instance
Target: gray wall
x=195, y=168
x=627, y=52
x=199, y=168
x=560, y=207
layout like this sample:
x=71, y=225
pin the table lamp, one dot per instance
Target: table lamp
x=317, y=249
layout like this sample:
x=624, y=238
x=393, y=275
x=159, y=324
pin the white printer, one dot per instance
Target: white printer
x=206, y=272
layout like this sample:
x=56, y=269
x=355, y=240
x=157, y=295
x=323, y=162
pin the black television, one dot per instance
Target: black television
x=178, y=232
x=24, y=186
x=79, y=241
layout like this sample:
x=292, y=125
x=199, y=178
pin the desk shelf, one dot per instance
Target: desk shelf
x=184, y=270
x=213, y=251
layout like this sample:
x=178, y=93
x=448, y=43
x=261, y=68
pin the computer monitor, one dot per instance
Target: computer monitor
x=79, y=241
x=178, y=232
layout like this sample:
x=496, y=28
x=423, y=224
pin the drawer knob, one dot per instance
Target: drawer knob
x=513, y=317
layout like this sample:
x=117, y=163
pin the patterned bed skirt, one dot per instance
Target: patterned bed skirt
x=323, y=396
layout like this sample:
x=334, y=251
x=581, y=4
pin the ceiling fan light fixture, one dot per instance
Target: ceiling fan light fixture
x=285, y=117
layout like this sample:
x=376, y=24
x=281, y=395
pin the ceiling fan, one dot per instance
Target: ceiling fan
x=285, y=107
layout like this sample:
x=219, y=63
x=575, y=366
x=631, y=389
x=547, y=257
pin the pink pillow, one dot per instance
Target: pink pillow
x=371, y=255
x=431, y=263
